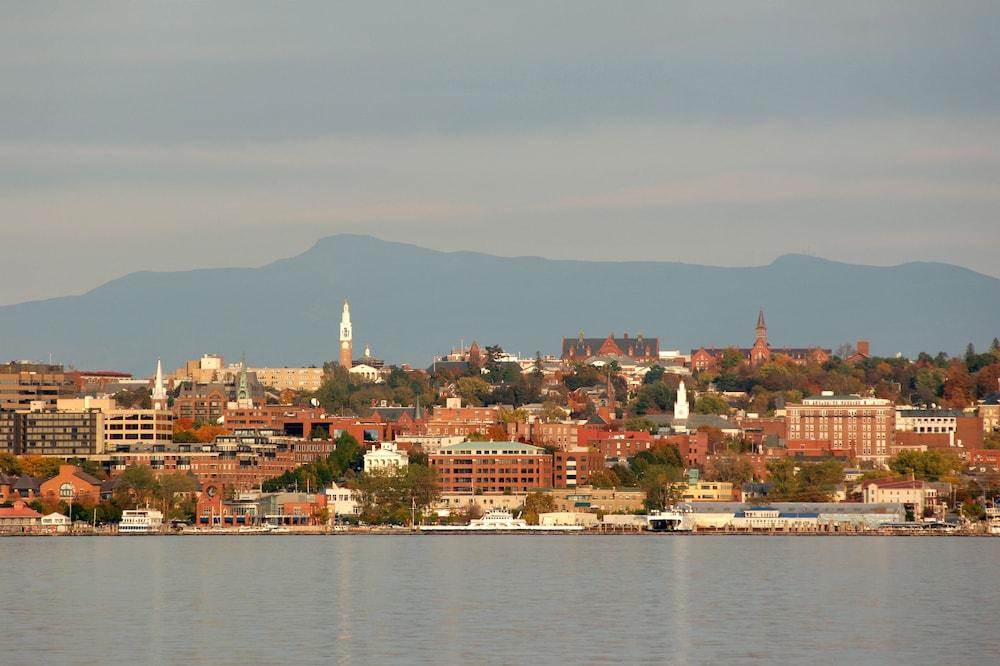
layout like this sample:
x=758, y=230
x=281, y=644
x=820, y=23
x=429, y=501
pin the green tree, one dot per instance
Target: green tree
x=661, y=485
x=639, y=423
x=710, y=403
x=422, y=486
x=137, y=485
x=347, y=453
x=473, y=390
x=930, y=465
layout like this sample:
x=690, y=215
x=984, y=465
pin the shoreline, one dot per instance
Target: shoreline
x=538, y=533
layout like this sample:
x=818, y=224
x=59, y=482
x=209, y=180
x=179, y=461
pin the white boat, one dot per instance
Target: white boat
x=993, y=520
x=675, y=519
x=499, y=520
x=140, y=521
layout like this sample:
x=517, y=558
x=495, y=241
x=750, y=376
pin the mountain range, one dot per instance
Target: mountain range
x=409, y=303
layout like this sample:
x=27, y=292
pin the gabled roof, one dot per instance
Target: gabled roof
x=27, y=483
x=83, y=476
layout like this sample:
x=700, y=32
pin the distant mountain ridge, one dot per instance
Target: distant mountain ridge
x=409, y=303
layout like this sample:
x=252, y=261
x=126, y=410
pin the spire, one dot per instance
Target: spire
x=346, y=338
x=760, y=320
x=681, y=411
x=159, y=392
x=243, y=392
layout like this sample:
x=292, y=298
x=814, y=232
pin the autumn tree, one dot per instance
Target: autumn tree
x=535, y=504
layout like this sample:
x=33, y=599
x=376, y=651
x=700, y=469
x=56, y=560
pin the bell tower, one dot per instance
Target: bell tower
x=346, y=338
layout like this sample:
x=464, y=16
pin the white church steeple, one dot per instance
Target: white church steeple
x=159, y=396
x=681, y=404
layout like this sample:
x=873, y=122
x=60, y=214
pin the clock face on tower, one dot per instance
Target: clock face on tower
x=211, y=491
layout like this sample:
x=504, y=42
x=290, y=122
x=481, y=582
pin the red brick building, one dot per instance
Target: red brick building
x=71, y=481
x=573, y=467
x=761, y=352
x=639, y=348
x=491, y=467
x=862, y=428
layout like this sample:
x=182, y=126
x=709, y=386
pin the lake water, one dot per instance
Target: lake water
x=499, y=599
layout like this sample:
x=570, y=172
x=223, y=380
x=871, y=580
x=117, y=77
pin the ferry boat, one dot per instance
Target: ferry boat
x=499, y=520
x=993, y=520
x=140, y=521
x=675, y=519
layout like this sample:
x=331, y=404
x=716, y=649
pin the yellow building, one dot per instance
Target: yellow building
x=294, y=379
x=707, y=491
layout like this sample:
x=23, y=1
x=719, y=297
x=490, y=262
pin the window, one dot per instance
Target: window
x=66, y=490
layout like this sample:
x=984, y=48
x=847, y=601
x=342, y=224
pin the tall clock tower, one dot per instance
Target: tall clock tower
x=346, y=337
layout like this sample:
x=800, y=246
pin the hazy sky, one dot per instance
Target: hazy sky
x=178, y=135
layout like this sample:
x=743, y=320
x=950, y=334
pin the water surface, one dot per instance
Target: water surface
x=503, y=599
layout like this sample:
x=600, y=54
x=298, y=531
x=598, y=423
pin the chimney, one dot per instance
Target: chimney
x=864, y=347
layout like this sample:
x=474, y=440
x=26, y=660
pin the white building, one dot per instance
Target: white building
x=366, y=372
x=55, y=522
x=342, y=501
x=386, y=456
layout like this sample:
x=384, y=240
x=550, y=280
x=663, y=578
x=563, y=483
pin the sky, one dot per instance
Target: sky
x=170, y=136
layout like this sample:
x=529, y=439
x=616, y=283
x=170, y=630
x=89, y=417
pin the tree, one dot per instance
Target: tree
x=422, y=484
x=537, y=503
x=137, y=485
x=710, y=403
x=731, y=469
x=660, y=483
x=638, y=423
x=10, y=464
x=603, y=478
x=473, y=390
x=626, y=478
x=803, y=482
x=991, y=440
x=347, y=453
x=930, y=465
x=172, y=485
x=40, y=467
x=654, y=375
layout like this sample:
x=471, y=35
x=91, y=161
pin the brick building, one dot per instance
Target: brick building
x=573, y=467
x=72, y=482
x=863, y=428
x=760, y=352
x=640, y=349
x=491, y=467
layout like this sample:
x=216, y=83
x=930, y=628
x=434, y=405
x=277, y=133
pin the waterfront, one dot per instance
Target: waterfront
x=500, y=599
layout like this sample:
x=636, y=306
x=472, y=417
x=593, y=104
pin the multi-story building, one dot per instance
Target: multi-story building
x=962, y=430
x=862, y=427
x=138, y=429
x=608, y=500
x=704, y=358
x=23, y=383
x=50, y=432
x=573, y=467
x=491, y=467
x=916, y=496
x=639, y=348
x=289, y=379
x=127, y=429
